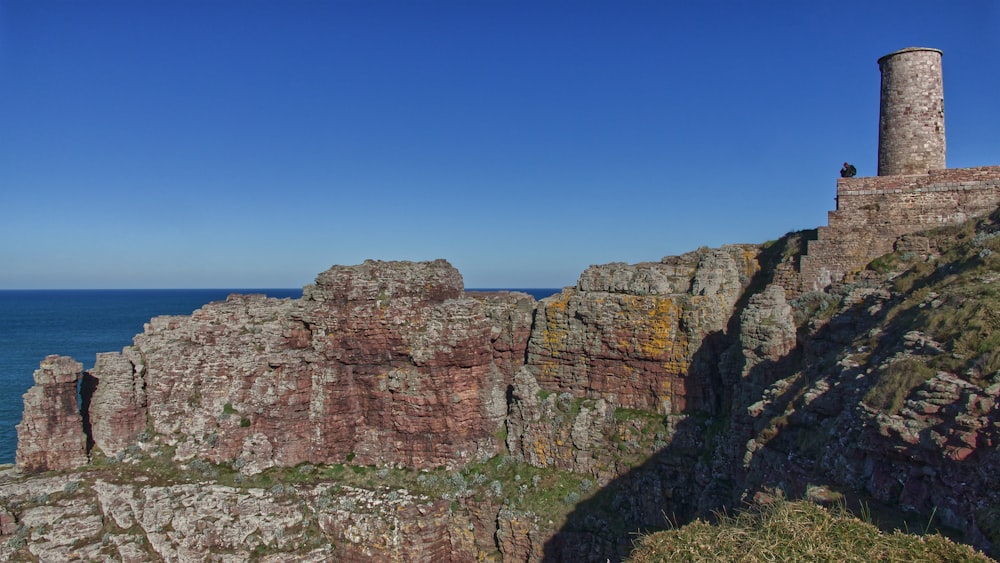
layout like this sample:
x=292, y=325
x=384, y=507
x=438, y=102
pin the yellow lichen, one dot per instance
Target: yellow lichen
x=555, y=331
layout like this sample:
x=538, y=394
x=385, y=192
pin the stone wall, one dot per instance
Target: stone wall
x=872, y=212
x=911, y=136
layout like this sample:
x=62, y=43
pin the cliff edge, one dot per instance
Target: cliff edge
x=390, y=414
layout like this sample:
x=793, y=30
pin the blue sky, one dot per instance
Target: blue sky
x=148, y=144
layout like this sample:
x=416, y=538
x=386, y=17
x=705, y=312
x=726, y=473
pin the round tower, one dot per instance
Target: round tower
x=911, y=112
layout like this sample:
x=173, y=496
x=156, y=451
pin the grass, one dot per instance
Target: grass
x=953, y=298
x=897, y=381
x=795, y=531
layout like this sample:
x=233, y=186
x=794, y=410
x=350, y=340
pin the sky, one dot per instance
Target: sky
x=254, y=144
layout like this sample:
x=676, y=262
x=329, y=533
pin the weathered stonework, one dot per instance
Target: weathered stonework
x=873, y=212
x=913, y=191
x=911, y=113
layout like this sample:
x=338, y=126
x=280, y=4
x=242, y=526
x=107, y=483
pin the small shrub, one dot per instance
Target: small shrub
x=16, y=542
x=496, y=488
x=458, y=481
x=885, y=264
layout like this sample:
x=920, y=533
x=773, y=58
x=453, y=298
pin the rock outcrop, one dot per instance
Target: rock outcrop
x=116, y=409
x=390, y=414
x=630, y=334
x=382, y=363
x=50, y=436
x=93, y=519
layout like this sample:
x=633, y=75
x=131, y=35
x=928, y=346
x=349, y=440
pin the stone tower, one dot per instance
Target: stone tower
x=911, y=113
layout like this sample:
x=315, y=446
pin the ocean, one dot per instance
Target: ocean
x=81, y=323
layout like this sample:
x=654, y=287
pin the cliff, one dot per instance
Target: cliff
x=390, y=415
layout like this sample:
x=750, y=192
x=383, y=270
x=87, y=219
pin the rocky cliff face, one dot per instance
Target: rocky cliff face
x=50, y=436
x=888, y=399
x=382, y=363
x=389, y=414
x=629, y=334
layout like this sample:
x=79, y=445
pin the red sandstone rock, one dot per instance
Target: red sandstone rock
x=419, y=379
x=382, y=363
x=50, y=436
x=117, y=406
x=628, y=334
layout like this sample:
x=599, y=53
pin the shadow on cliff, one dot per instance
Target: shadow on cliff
x=819, y=442
x=659, y=493
x=695, y=474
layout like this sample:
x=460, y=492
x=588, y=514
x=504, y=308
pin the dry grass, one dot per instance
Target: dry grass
x=896, y=383
x=795, y=531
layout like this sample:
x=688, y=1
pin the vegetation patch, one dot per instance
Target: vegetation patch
x=954, y=300
x=795, y=531
x=896, y=383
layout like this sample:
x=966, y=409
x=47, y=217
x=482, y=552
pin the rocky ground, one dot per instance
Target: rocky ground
x=390, y=415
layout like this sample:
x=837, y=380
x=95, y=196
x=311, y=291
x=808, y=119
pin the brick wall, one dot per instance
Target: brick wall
x=872, y=212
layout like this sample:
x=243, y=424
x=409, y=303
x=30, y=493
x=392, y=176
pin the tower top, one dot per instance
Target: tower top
x=908, y=50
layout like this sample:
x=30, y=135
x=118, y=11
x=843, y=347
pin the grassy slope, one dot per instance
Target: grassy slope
x=795, y=531
x=951, y=296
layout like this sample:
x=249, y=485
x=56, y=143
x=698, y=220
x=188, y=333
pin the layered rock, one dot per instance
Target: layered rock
x=551, y=430
x=884, y=403
x=115, y=402
x=629, y=334
x=92, y=518
x=382, y=363
x=645, y=389
x=50, y=436
x=767, y=328
x=510, y=316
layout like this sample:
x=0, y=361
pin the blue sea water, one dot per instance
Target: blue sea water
x=81, y=323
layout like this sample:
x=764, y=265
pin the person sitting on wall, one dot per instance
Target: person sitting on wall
x=848, y=171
